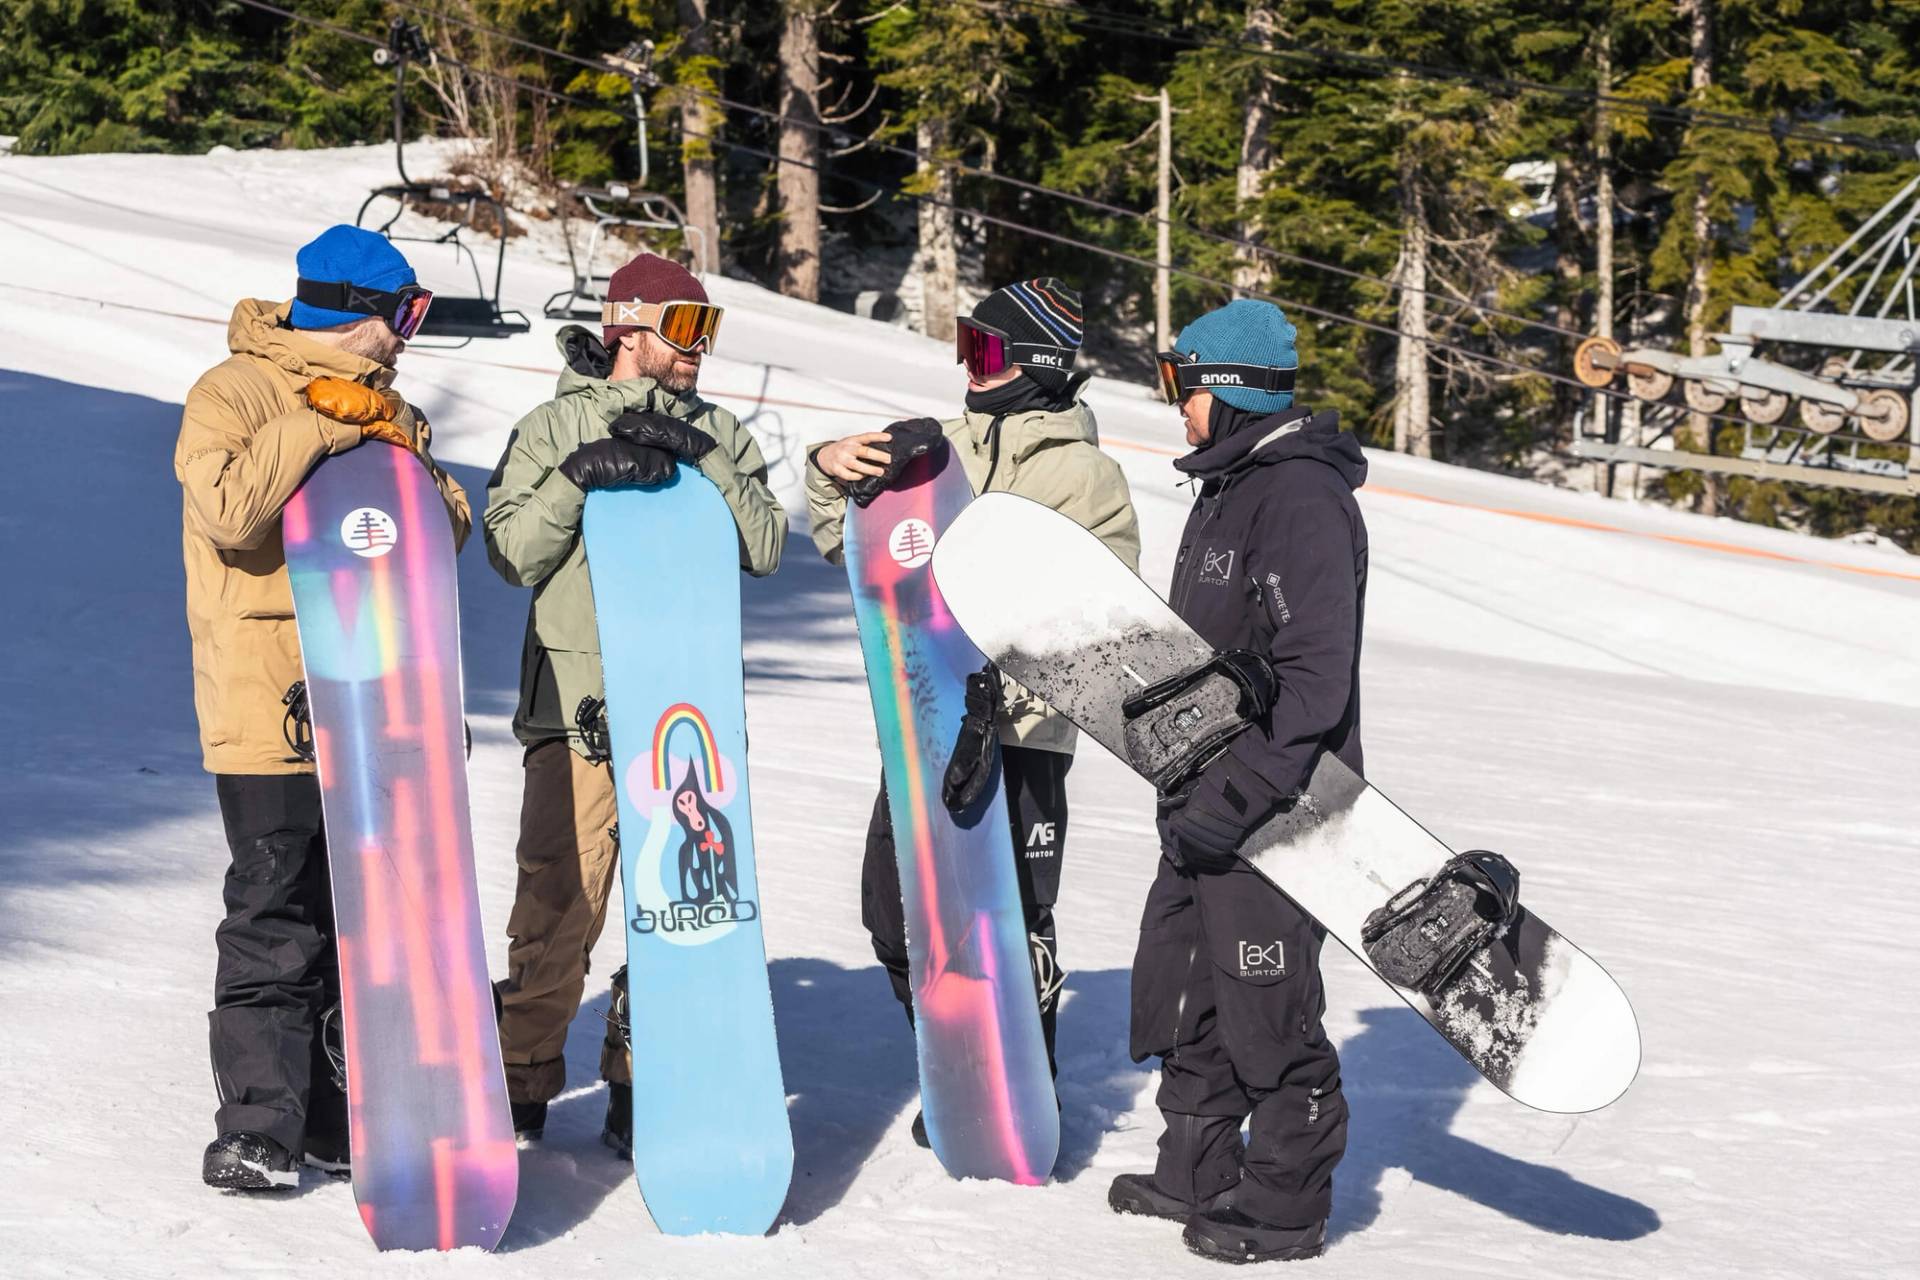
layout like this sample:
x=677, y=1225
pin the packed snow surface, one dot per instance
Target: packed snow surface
x=1695, y=738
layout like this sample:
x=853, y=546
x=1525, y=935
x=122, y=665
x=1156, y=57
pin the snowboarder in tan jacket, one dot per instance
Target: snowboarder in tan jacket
x=306, y=379
x=1026, y=431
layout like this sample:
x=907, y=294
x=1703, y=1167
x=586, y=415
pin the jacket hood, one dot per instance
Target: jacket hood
x=1023, y=433
x=587, y=362
x=1298, y=432
x=258, y=328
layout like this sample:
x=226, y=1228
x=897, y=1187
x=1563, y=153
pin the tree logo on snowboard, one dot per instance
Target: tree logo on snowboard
x=911, y=543
x=369, y=532
x=686, y=882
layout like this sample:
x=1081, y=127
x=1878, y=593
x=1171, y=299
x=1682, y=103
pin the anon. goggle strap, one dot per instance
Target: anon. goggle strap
x=1040, y=355
x=1191, y=376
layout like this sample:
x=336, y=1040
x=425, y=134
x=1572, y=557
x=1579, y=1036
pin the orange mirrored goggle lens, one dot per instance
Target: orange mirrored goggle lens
x=685, y=325
x=1169, y=378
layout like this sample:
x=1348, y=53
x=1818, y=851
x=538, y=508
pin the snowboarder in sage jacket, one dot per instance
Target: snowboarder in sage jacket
x=306, y=379
x=1025, y=431
x=1226, y=980
x=627, y=413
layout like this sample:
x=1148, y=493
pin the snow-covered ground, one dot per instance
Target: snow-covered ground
x=1697, y=738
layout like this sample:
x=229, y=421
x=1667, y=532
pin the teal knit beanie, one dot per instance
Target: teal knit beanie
x=1245, y=331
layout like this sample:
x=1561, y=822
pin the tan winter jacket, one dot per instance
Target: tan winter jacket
x=247, y=440
x=532, y=523
x=1053, y=458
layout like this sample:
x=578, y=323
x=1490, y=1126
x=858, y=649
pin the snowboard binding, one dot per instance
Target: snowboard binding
x=906, y=441
x=1428, y=931
x=1176, y=726
x=297, y=725
x=590, y=717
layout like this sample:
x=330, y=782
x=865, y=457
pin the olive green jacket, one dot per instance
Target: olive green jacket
x=532, y=523
x=1054, y=458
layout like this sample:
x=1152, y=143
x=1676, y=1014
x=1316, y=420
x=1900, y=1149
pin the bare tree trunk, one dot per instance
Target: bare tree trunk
x=1163, y=242
x=799, y=180
x=1603, y=226
x=700, y=122
x=1412, y=405
x=1700, y=79
x=937, y=264
x=1256, y=149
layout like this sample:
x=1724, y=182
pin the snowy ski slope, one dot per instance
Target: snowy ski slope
x=1696, y=738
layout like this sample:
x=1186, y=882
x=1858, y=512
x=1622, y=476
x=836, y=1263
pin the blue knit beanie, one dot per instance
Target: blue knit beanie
x=1245, y=331
x=354, y=255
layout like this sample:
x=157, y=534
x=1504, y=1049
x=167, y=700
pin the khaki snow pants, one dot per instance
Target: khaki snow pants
x=569, y=857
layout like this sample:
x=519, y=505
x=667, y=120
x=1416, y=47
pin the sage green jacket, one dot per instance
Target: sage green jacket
x=532, y=523
x=1054, y=458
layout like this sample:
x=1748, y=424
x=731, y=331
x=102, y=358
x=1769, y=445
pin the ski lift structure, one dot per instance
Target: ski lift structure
x=621, y=205
x=461, y=318
x=1839, y=410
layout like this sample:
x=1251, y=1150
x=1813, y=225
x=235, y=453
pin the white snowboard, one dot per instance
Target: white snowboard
x=1059, y=612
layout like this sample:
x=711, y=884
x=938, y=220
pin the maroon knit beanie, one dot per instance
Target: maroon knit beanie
x=650, y=278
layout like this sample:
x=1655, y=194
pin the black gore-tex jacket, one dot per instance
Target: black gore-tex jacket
x=1274, y=559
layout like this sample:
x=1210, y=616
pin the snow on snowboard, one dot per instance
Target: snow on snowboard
x=371, y=559
x=985, y=1087
x=712, y=1147
x=1059, y=612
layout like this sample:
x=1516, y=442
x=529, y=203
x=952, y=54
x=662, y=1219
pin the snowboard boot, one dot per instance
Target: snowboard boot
x=529, y=1121
x=1138, y=1193
x=244, y=1161
x=920, y=1138
x=617, y=1132
x=328, y=1152
x=1227, y=1235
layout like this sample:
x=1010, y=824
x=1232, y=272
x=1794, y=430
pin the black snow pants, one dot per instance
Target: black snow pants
x=277, y=972
x=1227, y=993
x=1036, y=790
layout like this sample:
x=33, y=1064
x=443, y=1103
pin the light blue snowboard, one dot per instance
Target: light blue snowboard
x=712, y=1149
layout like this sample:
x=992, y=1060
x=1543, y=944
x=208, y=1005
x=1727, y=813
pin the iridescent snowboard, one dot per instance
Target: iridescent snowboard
x=370, y=554
x=712, y=1148
x=985, y=1088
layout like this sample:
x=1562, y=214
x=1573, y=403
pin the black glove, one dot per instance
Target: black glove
x=681, y=439
x=1203, y=826
x=612, y=463
x=906, y=440
x=970, y=767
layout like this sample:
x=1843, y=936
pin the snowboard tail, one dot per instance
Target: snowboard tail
x=371, y=560
x=712, y=1147
x=1064, y=616
x=985, y=1087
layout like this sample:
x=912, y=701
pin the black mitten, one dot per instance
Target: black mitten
x=663, y=431
x=906, y=440
x=970, y=767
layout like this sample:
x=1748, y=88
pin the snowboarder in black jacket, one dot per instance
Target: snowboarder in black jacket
x=1226, y=980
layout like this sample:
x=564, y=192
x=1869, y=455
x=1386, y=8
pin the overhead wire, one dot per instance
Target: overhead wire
x=1036, y=232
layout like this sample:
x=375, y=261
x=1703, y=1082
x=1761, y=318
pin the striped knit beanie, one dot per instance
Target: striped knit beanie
x=1245, y=331
x=1042, y=314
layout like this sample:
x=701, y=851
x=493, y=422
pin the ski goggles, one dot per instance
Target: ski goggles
x=986, y=351
x=1182, y=375
x=681, y=325
x=404, y=309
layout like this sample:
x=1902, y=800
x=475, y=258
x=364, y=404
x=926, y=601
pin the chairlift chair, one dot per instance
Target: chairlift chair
x=620, y=204
x=451, y=316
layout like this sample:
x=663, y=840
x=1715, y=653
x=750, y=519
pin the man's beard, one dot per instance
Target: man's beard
x=662, y=371
x=374, y=341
